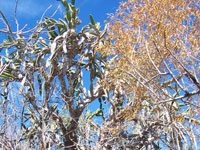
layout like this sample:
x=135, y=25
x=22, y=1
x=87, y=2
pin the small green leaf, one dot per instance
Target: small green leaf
x=92, y=20
x=43, y=42
x=53, y=20
x=9, y=38
x=74, y=14
x=77, y=10
x=4, y=101
x=64, y=24
x=38, y=60
x=69, y=17
x=73, y=2
x=75, y=83
x=54, y=106
x=7, y=75
x=40, y=84
x=64, y=2
x=52, y=35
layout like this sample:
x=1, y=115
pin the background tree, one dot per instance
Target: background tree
x=147, y=69
x=153, y=77
x=43, y=70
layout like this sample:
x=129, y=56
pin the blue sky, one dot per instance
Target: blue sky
x=30, y=11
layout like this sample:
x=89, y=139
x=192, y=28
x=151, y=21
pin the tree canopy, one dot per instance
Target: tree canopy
x=156, y=46
x=142, y=70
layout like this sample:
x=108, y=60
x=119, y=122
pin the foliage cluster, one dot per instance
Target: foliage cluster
x=142, y=70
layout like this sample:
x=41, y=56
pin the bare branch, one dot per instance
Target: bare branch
x=8, y=26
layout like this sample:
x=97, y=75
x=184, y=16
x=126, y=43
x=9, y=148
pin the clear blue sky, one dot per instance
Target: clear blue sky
x=29, y=11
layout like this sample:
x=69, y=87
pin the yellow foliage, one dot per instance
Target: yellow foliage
x=154, y=42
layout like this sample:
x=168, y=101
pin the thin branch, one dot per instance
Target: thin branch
x=181, y=98
x=8, y=26
x=15, y=33
x=55, y=11
x=148, y=53
x=143, y=84
x=45, y=13
x=113, y=106
x=173, y=76
x=16, y=16
x=189, y=75
x=3, y=68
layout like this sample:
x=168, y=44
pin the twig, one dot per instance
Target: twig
x=55, y=11
x=3, y=68
x=181, y=98
x=112, y=104
x=15, y=33
x=8, y=26
x=16, y=16
x=170, y=72
x=189, y=75
x=148, y=53
x=45, y=13
x=142, y=83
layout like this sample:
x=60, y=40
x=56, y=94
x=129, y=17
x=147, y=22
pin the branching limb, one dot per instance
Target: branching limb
x=8, y=26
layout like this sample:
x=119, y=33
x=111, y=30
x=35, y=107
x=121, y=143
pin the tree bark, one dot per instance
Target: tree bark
x=71, y=137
